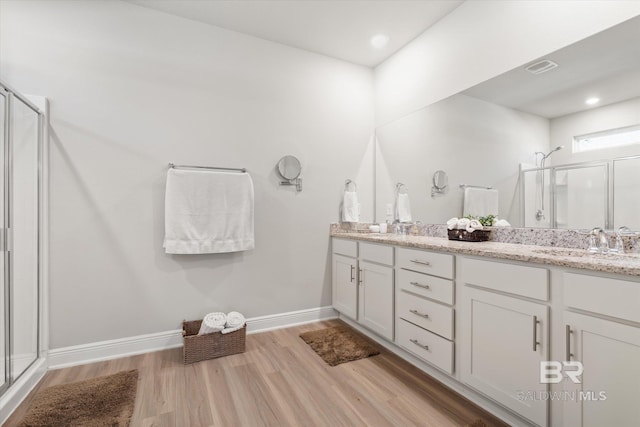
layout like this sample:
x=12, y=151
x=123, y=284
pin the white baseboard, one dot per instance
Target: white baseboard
x=113, y=349
x=18, y=391
x=122, y=347
x=292, y=318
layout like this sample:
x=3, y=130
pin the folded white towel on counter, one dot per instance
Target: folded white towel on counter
x=213, y=322
x=452, y=224
x=208, y=212
x=480, y=202
x=235, y=321
x=403, y=208
x=473, y=225
x=502, y=223
x=350, y=208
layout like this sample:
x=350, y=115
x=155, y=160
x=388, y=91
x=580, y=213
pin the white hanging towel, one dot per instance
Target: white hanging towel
x=350, y=209
x=403, y=208
x=480, y=202
x=208, y=212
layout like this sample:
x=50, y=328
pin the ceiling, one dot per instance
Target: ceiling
x=605, y=65
x=338, y=28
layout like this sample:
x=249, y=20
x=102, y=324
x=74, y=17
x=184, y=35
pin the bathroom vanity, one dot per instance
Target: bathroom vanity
x=482, y=317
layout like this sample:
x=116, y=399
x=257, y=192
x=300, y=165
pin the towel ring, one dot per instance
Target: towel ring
x=399, y=187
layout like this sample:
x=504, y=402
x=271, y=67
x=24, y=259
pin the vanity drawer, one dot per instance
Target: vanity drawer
x=428, y=286
x=429, y=347
x=532, y=282
x=425, y=262
x=345, y=247
x=430, y=315
x=382, y=254
x=611, y=297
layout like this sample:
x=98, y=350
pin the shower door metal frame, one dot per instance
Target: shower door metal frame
x=6, y=237
x=5, y=254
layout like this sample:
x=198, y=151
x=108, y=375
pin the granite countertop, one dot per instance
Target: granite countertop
x=626, y=264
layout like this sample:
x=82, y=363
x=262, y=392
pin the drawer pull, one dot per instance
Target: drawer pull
x=419, y=285
x=417, y=261
x=568, y=333
x=536, y=343
x=417, y=313
x=426, y=347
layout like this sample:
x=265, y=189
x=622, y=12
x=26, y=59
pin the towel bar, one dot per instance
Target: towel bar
x=174, y=166
x=476, y=186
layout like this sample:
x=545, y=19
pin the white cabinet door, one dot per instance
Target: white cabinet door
x=505, y=339
x=607, y=394
x=376, y=298
x=345, y=285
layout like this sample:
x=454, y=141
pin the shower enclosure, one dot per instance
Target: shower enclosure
x=21, y=147
x=574, y=196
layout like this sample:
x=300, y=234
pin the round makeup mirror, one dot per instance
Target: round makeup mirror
x=289, y=167
x=440, y=181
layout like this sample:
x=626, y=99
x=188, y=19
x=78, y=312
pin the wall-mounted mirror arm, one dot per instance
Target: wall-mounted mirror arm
x=297, y=182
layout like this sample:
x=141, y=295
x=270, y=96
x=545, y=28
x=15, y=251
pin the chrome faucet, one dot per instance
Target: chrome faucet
x=618, y=246
x=598, y=241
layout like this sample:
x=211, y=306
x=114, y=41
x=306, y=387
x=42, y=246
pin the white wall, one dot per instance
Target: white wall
x=482, y=39
x=474, y=141
x=132, y=89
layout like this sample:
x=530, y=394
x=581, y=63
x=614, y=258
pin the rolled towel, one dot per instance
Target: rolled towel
x=474, y=225
x=235, y=321
x=213, y=322
x=502, y=223
x=452, y=224
x=463, y=222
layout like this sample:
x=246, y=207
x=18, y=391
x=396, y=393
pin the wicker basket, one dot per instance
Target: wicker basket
x=465, y=236
x=209, y=346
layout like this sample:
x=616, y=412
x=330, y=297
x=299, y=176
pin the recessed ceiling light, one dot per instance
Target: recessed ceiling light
x=592, y=101
x=379, y=41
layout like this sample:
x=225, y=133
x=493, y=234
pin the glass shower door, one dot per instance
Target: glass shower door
x=24, y=221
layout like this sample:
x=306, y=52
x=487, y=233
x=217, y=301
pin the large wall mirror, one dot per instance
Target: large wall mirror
x=504, y=134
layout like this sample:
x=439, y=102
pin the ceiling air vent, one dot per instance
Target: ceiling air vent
x=541, y=66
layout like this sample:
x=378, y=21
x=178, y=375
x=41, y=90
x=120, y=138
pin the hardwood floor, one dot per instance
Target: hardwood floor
x=279, y=381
